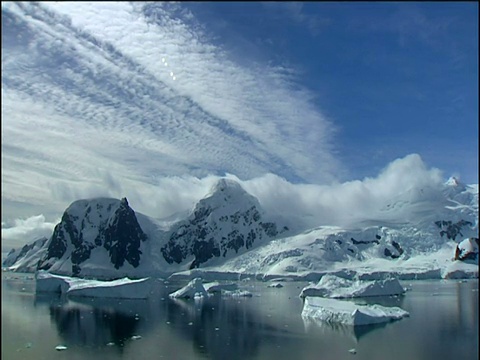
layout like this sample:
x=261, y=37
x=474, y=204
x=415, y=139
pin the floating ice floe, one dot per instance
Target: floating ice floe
x=194, y=289
x=332, y=286
x=275, y=285
x=122, y=288
x=349, y=313
x=47, y=282
x=60, y=348
x=216, y=287
x=237, y=293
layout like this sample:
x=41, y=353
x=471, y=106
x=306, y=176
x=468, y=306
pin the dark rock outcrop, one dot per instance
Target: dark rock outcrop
x=467, y=250
x=450, y=229
x=226, y=221
x=88, y=225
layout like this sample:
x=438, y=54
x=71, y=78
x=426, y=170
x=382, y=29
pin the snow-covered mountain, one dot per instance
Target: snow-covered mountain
x=106, y=238
x=226, y=222
x=98, y=231
x=26, y=259
x=229, y=232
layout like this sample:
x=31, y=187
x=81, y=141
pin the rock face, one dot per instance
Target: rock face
x=467, y=250
x=225, y=222
x=90, y=225
x=450, y=229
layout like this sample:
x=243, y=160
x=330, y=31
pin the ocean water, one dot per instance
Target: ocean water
x=443, y=324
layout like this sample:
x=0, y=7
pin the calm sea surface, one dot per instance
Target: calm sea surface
x=443, y=324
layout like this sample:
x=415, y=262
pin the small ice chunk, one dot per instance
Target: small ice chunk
x=60, y=347
x=352, y=351
x=136, y=337
x=275, y=285
x=237, y=293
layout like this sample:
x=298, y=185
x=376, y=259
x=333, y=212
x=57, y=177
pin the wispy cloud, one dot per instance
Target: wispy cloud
x=135, y=99
x=296, y=12
x=131, y=91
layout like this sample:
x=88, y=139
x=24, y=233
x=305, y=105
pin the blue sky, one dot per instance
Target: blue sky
x=394, y=78
x=132, y=99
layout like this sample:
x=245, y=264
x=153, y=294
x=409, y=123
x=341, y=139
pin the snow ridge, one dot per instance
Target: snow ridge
x=225, y=223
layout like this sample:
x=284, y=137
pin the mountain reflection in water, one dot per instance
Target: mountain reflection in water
x=443, y=323
x=217, y=327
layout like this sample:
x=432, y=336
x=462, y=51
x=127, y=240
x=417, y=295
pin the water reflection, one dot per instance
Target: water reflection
x=266, y=326
x=321, y=328
x=218, y=328
x=221, y=328
x=85, y=325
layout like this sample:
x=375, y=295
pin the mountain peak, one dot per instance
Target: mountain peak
x=227, y=186
x=228, y=193
x=87, y=227
x=454, y=181
x=228, y=220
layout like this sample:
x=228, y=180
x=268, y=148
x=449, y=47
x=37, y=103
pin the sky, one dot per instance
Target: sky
x=156, y=101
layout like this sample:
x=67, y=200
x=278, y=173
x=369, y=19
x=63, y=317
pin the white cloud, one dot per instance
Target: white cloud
x=302, y=205
x=348, y=203
x=23, y=231
x=217, y=114
x=89, y=109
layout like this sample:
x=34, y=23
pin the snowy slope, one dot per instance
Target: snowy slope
x=26, y=259
x=416, y=239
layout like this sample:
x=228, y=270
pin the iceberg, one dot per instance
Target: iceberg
x=194, y=289
x=275, y=285
x=122, y=288
x=47, y=282
x=216, y=287
x=332, y=286
x=349, y=313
